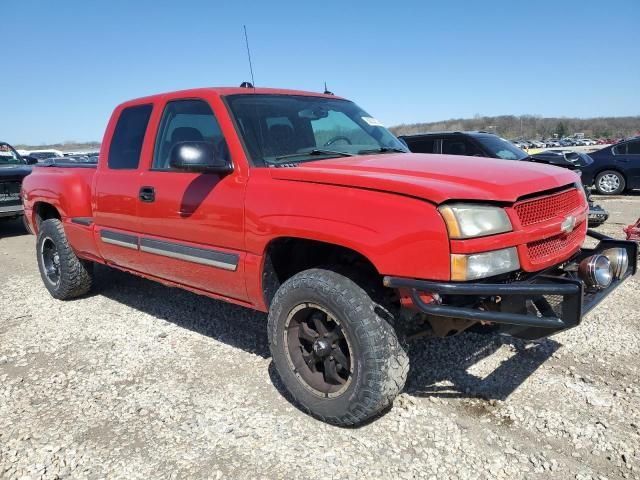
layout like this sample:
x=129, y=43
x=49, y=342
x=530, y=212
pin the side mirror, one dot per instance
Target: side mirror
x=30, y=160
x=198, y=157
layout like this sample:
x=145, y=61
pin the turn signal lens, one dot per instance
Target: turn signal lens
x=451, y=221
x=458, y=267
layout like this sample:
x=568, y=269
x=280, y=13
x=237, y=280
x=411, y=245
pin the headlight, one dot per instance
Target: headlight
x=481, y=265
x=469, y=221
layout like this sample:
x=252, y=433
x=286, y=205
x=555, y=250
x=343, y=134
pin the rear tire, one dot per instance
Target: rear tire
x=320, y=320
x=62, y=272
x=610, y=182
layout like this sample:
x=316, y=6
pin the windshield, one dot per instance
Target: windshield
x=501, y=148
x=286, y=129
x=8, y=156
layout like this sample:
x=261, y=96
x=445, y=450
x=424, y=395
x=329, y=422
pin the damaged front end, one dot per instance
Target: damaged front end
x=531, y=307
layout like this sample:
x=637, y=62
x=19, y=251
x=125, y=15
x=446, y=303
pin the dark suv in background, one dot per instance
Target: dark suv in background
x=473, y=144
x=484, y=144
x=13, y=169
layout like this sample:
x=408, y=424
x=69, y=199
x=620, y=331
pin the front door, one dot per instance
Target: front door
x=191, y=224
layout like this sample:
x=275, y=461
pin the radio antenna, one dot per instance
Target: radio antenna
x=246, y=41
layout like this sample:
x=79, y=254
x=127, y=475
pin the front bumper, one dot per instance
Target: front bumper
x=540, y=305
x=11, y=210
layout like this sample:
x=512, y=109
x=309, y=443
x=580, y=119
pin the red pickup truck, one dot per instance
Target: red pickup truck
x=304, y=206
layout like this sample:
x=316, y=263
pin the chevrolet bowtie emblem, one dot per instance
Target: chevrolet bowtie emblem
x=568, y=224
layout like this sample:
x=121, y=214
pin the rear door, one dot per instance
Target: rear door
x=191, y=224
x=116, y=188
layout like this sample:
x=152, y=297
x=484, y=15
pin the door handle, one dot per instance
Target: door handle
x=147, y=194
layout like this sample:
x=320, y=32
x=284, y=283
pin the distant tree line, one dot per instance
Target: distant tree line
x=70, y=145
x=532, y=127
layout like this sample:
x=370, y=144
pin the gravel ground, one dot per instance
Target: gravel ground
x=142, y=381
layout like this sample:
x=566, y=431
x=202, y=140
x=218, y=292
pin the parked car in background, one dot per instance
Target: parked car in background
x=42, y=155
x=482, y=144
x=576, y=161
x=615, y=168
x=13, y=169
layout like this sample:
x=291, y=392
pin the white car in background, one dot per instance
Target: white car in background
x=45, y=154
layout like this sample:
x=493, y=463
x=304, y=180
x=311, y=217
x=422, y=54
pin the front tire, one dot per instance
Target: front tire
x=339, y=359
x=63, y=273
x=610, y=182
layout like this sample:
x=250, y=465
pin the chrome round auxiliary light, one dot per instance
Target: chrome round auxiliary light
x=596, y=271
x=619, y=260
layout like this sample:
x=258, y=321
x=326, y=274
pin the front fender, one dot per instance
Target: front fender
x=398, y=234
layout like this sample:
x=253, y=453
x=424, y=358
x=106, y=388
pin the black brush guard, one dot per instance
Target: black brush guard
x=538, y=306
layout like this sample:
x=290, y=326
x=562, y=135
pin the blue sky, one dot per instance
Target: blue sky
x=69, y=62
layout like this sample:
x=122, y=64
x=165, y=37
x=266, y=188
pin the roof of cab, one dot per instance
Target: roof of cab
x=223, y=91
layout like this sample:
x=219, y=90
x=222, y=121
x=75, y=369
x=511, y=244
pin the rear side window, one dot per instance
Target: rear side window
x=426, y=145
x=126, y=144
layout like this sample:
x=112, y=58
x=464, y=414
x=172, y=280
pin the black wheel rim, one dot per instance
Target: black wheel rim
x=318, y=350
x=50, y=261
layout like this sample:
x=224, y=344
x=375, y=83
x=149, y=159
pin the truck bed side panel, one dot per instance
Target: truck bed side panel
x=68, y=190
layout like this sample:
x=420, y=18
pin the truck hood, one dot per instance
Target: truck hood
x=436, y=178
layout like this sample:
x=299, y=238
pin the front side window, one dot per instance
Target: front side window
x=187, y=121
x=286, y=129
x=126, y=143
x=8, y=156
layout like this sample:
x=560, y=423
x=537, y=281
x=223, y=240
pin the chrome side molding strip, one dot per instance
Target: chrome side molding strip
x=213, y=258
x=120, y=239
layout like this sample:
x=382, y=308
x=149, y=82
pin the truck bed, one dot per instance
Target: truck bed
x=65, y=164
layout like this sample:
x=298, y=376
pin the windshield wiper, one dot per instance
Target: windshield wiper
x=315, y=151
x=382, y=150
